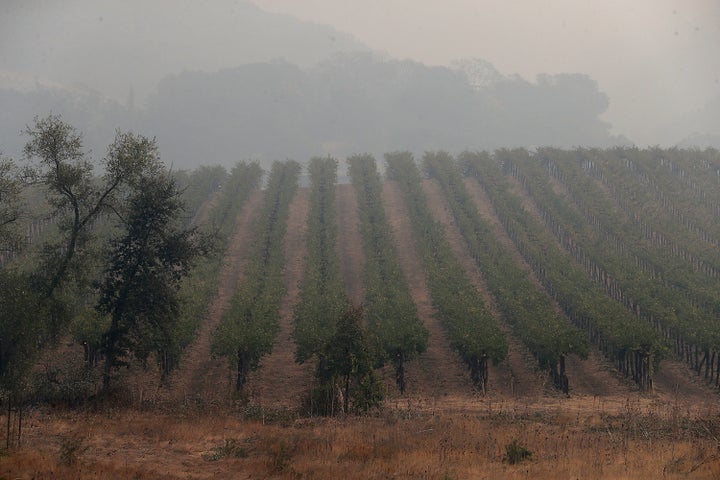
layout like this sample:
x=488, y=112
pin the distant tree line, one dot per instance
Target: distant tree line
x=349, y=103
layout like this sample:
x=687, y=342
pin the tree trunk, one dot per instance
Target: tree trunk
x=106, y=369
x=564, y=382
x=9, y=421
x=242, y=370
x=346, y=400
x=400, y=370
x=484, y=370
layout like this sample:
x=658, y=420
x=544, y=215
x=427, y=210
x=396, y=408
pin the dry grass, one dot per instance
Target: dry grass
x=588, y=442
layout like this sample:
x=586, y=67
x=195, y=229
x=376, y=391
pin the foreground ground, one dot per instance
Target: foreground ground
x=188, y=429
x=581, y=437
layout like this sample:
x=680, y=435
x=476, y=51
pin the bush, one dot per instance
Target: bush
x=71, y=448
x=516, y=453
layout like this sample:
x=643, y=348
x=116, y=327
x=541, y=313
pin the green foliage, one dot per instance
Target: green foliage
x=248, y=329
x=322, y=293
x=10, y=206
x=608, y=323
x=473, y=332
x=199, y=185
x=523, y=305
x=345, y=370
x=392, y=317
x=243, y=179
x=648, y=255
x=78, y=200
x=516, y=453
x=139, y=292
x=23, y=322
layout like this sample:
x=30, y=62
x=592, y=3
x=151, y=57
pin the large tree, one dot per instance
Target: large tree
x=345, y=368
x=142, y=278
x=76, y=196
x=10, y=205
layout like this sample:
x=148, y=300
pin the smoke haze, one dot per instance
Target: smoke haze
x=226, y=80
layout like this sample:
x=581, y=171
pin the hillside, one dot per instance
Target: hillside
x=439, y=374
x=654, y=207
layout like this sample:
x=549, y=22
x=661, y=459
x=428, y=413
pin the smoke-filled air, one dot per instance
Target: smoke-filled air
x=359, y=239
x=227, y=80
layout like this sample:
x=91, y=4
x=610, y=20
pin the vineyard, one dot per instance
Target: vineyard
x=605, y=252
x=447, y=282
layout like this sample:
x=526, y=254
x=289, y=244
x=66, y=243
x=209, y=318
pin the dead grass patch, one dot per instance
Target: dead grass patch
x=646, y=442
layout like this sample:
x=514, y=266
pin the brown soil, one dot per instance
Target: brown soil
x=438, y=374
x=568, y=438
x=349, y=242
x=517, y=376
x=201, y=378
x=281, y=382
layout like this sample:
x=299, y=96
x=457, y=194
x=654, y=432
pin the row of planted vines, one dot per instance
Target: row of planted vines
x=471, y=329
x=682, y=253
x=392, y=319
x=198, y=187
x=523, y=305
x=632, y=345
x=322, y=293
x=227, y=194
x=608, y=219
x=676, y=251
x=248, y=329
x=620, y=251
x=685, y=232
x=328, y=330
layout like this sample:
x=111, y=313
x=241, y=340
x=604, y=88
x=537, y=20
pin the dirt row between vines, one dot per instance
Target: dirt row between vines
x=201, y=378
x=349, y=243
x=281, y=382
x=517, y=375
x=438, y=375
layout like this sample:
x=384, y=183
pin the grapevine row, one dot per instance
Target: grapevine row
x=248, y=329
x=199, y=287
x=392, y=316
x=528, y=309
x=322, y=295
x=472, y=330
x=637, y=196
x=634, y=346
x=692, y=331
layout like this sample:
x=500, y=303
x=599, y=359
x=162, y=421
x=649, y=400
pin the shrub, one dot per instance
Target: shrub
x=516, y=453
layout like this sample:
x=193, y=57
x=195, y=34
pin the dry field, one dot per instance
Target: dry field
x=190, y=429
x=583, y=438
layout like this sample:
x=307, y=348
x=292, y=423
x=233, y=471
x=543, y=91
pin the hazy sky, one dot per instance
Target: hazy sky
x=657, y=59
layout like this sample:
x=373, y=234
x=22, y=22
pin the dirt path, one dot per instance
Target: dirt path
x=349, y=242
x=200, y=378
x=281, y=382
x=439, y=372
x=203, y=213
x=517, y=376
